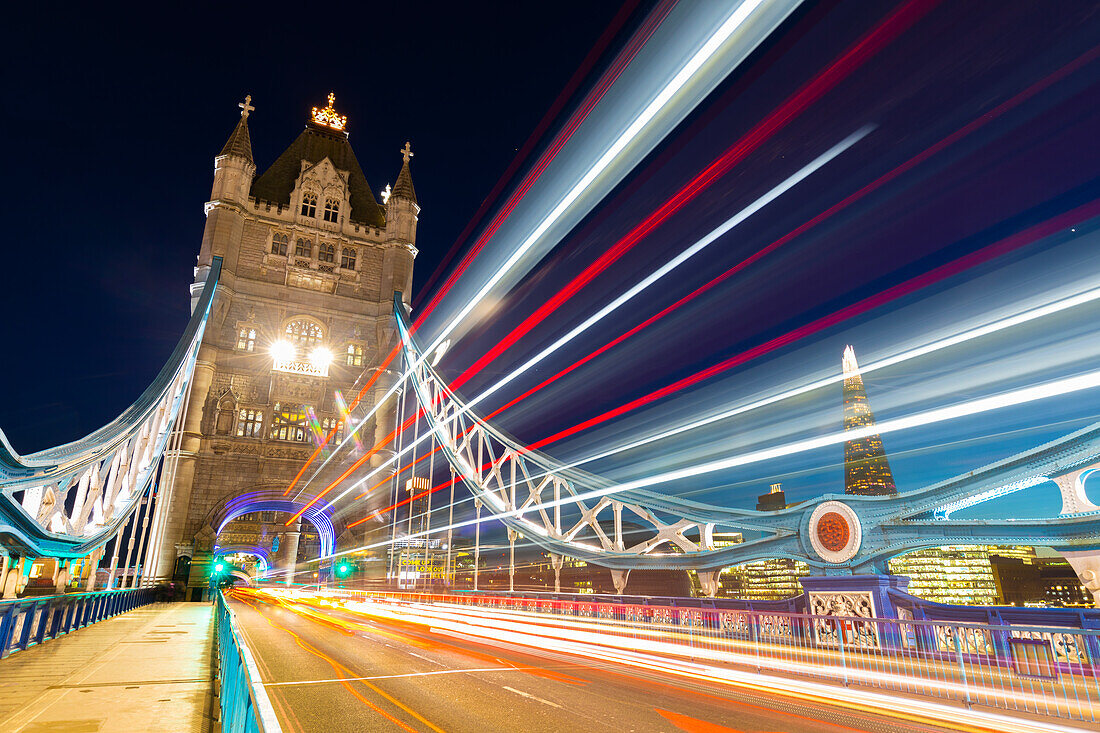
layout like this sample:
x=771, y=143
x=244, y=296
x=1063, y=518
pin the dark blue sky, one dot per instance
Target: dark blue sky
x=112, y=118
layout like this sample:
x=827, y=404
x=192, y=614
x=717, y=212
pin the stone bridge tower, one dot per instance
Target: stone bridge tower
x=303, y=313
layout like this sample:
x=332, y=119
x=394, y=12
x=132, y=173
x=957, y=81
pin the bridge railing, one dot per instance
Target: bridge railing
x=245, y=706
x=1043, y=670
x=26, y=622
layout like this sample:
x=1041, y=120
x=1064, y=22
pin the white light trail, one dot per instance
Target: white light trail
x=1057, y=388
x=714, y=42
x=701, y=244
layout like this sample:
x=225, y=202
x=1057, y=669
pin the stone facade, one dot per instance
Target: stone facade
x=310, y=261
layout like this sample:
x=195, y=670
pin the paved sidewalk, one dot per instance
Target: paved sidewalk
x=149, y=669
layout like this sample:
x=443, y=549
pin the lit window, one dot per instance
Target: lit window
x=332, y=210
x=249, y=423
x=302, y=248
x=309, y=205
x=306, y=333
x=246, y=339
x=347, y=259
x=327, y=253
x=279, y=244
x=290, y=422
x=327, y=424
x=355, y=355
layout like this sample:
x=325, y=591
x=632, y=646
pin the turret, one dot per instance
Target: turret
x=233, y=166
x=233, y=172
x=402, y=211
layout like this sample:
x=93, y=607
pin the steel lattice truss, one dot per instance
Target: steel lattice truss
x=530, y=492
x=68, y=500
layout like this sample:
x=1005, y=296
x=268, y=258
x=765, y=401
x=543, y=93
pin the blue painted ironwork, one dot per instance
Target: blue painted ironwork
x=68, y=500
x=26, y=622
x=527, y=490
x=245, y=706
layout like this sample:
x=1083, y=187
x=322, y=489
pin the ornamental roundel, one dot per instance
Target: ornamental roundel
x=835, y=532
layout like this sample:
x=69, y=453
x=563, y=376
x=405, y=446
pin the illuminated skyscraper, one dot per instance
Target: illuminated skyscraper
x=866, y=470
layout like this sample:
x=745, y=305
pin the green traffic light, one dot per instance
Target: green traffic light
x=218, y=567
x=343, y=569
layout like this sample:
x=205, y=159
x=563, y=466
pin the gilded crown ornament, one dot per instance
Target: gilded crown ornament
x=328, y=117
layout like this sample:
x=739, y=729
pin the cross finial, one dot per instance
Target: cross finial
x=331, y=99
x=246, y=105
x=407, y=151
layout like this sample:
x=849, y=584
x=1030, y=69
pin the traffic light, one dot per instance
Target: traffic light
x=344, y=569
x=219, y=566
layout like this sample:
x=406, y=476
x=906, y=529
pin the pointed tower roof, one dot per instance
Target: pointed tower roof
x=325, y=136
x=240, y=142
x=866, y=467
x=404, y=186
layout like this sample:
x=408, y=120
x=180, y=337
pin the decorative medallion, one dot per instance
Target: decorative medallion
x=835, y=532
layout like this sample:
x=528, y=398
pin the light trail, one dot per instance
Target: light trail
x=701, y=244
x=854, y=57
x=704, y=657
x=930, y=277
x=709, y=48
x=993, y=114
x=1057, y=388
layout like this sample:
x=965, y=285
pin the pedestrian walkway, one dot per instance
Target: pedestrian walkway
x=150, y=669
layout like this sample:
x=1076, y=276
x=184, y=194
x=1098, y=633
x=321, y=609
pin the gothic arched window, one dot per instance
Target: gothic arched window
x=332, y=209
x=290, y=422
x=327, y=253
x=246, y=339
x=305, y=333
x=250, y=423
x=347, y=258
x=355, y=355
x=302, y=248
x=327, y=424
x=309, y=205
x=279, y=244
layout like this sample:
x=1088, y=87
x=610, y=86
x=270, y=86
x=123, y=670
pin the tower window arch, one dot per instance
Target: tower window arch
x=250, y=423
x=327, y=253
x=279, y=244
x=304, y=333
x=290, y=422
x=309, y=205
x=347, y=258
x=246, y=338
x=332, y=210
x=302, y=248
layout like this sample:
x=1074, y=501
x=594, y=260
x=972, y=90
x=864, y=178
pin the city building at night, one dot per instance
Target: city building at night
x=1038, y=581
x=772, y=501
x=310, y=264
x=866, y=468
x=959, y=574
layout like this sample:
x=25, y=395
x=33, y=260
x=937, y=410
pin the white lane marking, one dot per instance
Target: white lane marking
x=389, y=676
x=418, y=656
x=524, y=694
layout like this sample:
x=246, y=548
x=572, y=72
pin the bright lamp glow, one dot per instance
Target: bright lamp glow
x=320, y=357
x=282, y=351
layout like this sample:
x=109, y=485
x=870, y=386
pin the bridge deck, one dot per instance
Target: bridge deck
x=146, y=670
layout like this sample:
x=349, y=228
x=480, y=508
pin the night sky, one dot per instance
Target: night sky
x=113, y=118
x=983, y=122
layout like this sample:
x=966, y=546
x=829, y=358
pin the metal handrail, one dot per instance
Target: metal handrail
x=27, y=622
x=245, y=706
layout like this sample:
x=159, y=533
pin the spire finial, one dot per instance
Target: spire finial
x=386, y=194
x=246, y=106
x=407, y=152
x=327, y=117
